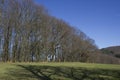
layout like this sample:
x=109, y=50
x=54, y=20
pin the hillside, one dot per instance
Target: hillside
x=113, y=51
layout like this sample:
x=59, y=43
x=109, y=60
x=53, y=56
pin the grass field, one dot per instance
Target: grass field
x=59, y=71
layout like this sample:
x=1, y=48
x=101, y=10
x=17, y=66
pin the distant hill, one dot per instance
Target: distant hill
x=113, y=51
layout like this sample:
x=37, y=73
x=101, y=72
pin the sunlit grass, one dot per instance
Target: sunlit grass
x=59, y=71
x=75, y=64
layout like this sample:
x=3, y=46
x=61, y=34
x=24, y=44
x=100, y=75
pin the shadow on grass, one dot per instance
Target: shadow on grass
x=34, y=72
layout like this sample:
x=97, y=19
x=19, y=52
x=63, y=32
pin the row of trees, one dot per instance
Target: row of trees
x=28, y=33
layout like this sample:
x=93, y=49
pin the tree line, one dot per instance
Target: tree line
x=29, y=34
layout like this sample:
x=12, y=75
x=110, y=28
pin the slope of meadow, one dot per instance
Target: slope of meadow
x=59, y=71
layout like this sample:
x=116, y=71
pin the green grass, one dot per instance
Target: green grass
x=59, y=71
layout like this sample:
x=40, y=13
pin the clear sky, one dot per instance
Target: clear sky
x=98, y=19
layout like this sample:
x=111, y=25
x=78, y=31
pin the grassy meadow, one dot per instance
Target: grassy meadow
x=59, y=71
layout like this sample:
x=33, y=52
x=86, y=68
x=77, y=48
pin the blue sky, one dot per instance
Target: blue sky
x=98, y=19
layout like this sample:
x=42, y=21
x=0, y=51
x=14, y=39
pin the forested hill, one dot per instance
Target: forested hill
x=113, y=51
